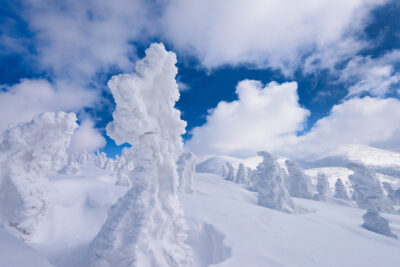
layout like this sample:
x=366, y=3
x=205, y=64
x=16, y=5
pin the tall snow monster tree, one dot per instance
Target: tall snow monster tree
x=146, y=226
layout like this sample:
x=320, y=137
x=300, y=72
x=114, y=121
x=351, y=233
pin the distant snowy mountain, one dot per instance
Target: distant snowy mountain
x=218, y=164
x=382, y=161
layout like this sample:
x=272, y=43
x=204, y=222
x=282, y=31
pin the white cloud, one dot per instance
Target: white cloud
x=86, y=138
x=376, y=76
x=76, y=39
x=369, y=121
x=268, y=33
x=20, y=102
x=262, y=118
x=268, y=119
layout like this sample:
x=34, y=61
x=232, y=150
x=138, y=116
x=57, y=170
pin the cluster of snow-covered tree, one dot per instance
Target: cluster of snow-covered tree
x=146, y=227
x=277, y=181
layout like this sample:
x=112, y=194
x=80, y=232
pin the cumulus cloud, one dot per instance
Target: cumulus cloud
x=277, y=34
x=376, y=76
x=263, y=117
x=369, y=121
x=268, y=118
x=21, y=101
x=86, y=138
x=79, y=38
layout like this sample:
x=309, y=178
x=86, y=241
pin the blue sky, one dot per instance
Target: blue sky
x=336, y=52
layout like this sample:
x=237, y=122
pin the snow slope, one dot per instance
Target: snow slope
x=226, y=227
x=15, y=253
x=383, y=161
x=245, y=234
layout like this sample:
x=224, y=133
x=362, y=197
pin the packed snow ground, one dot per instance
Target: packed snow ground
x=226, y=227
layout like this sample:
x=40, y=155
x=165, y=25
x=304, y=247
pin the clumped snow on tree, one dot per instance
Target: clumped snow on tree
x=340, y=190
x=231, y=175
x=269, y=183
x=368, y=193
x=242, y=176
x=297, y=182
x=376, y=223
x=322, y=187
x=146, y=226
x=186, y=167
x=29, y=152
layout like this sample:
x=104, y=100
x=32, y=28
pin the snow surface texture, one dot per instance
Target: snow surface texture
x=297, y=182
x=15, y=253
x=146, y=226
x=186, y=167
x=269, y=183
x=29, y=152
x=375, y=223
x=368, y=192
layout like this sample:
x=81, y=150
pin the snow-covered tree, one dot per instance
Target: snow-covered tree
x=322, y=187
x=393, y=195
x=242, y=176
x=376, y=223
x=186, y=170
x=231, y=175
x=146, y=226
x=368, y=192
x=340, y=190
x=297, y=182
x=28, y=153
x=269, y=183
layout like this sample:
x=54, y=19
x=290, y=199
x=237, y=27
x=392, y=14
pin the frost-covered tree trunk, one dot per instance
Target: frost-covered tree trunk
x=297, y=182
x=368, y=192
x=269, y=183
x=242, y=176
x=376, y=223
x=186, y=170
x=146, y=226
x=322, y=187
x=340, y=190
x=29, y=152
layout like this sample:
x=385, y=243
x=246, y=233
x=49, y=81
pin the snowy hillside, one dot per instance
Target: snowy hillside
x=384, y=161
x=226, y=227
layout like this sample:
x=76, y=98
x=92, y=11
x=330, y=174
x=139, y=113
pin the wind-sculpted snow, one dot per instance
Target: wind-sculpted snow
x=297, y=182
x=394, y=195
x=269, y=183
x=376, y=223
x=322, y=187
x=186, y=167
x=340, y=191
x=368, y=192
x=146, y=226
x=29, y=152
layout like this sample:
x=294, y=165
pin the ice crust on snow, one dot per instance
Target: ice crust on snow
x=368, y=193
x=146, y=226
x=376, y=223
x=29, y=152
x=269, y=183
x=297, y=182
x=186, y=167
